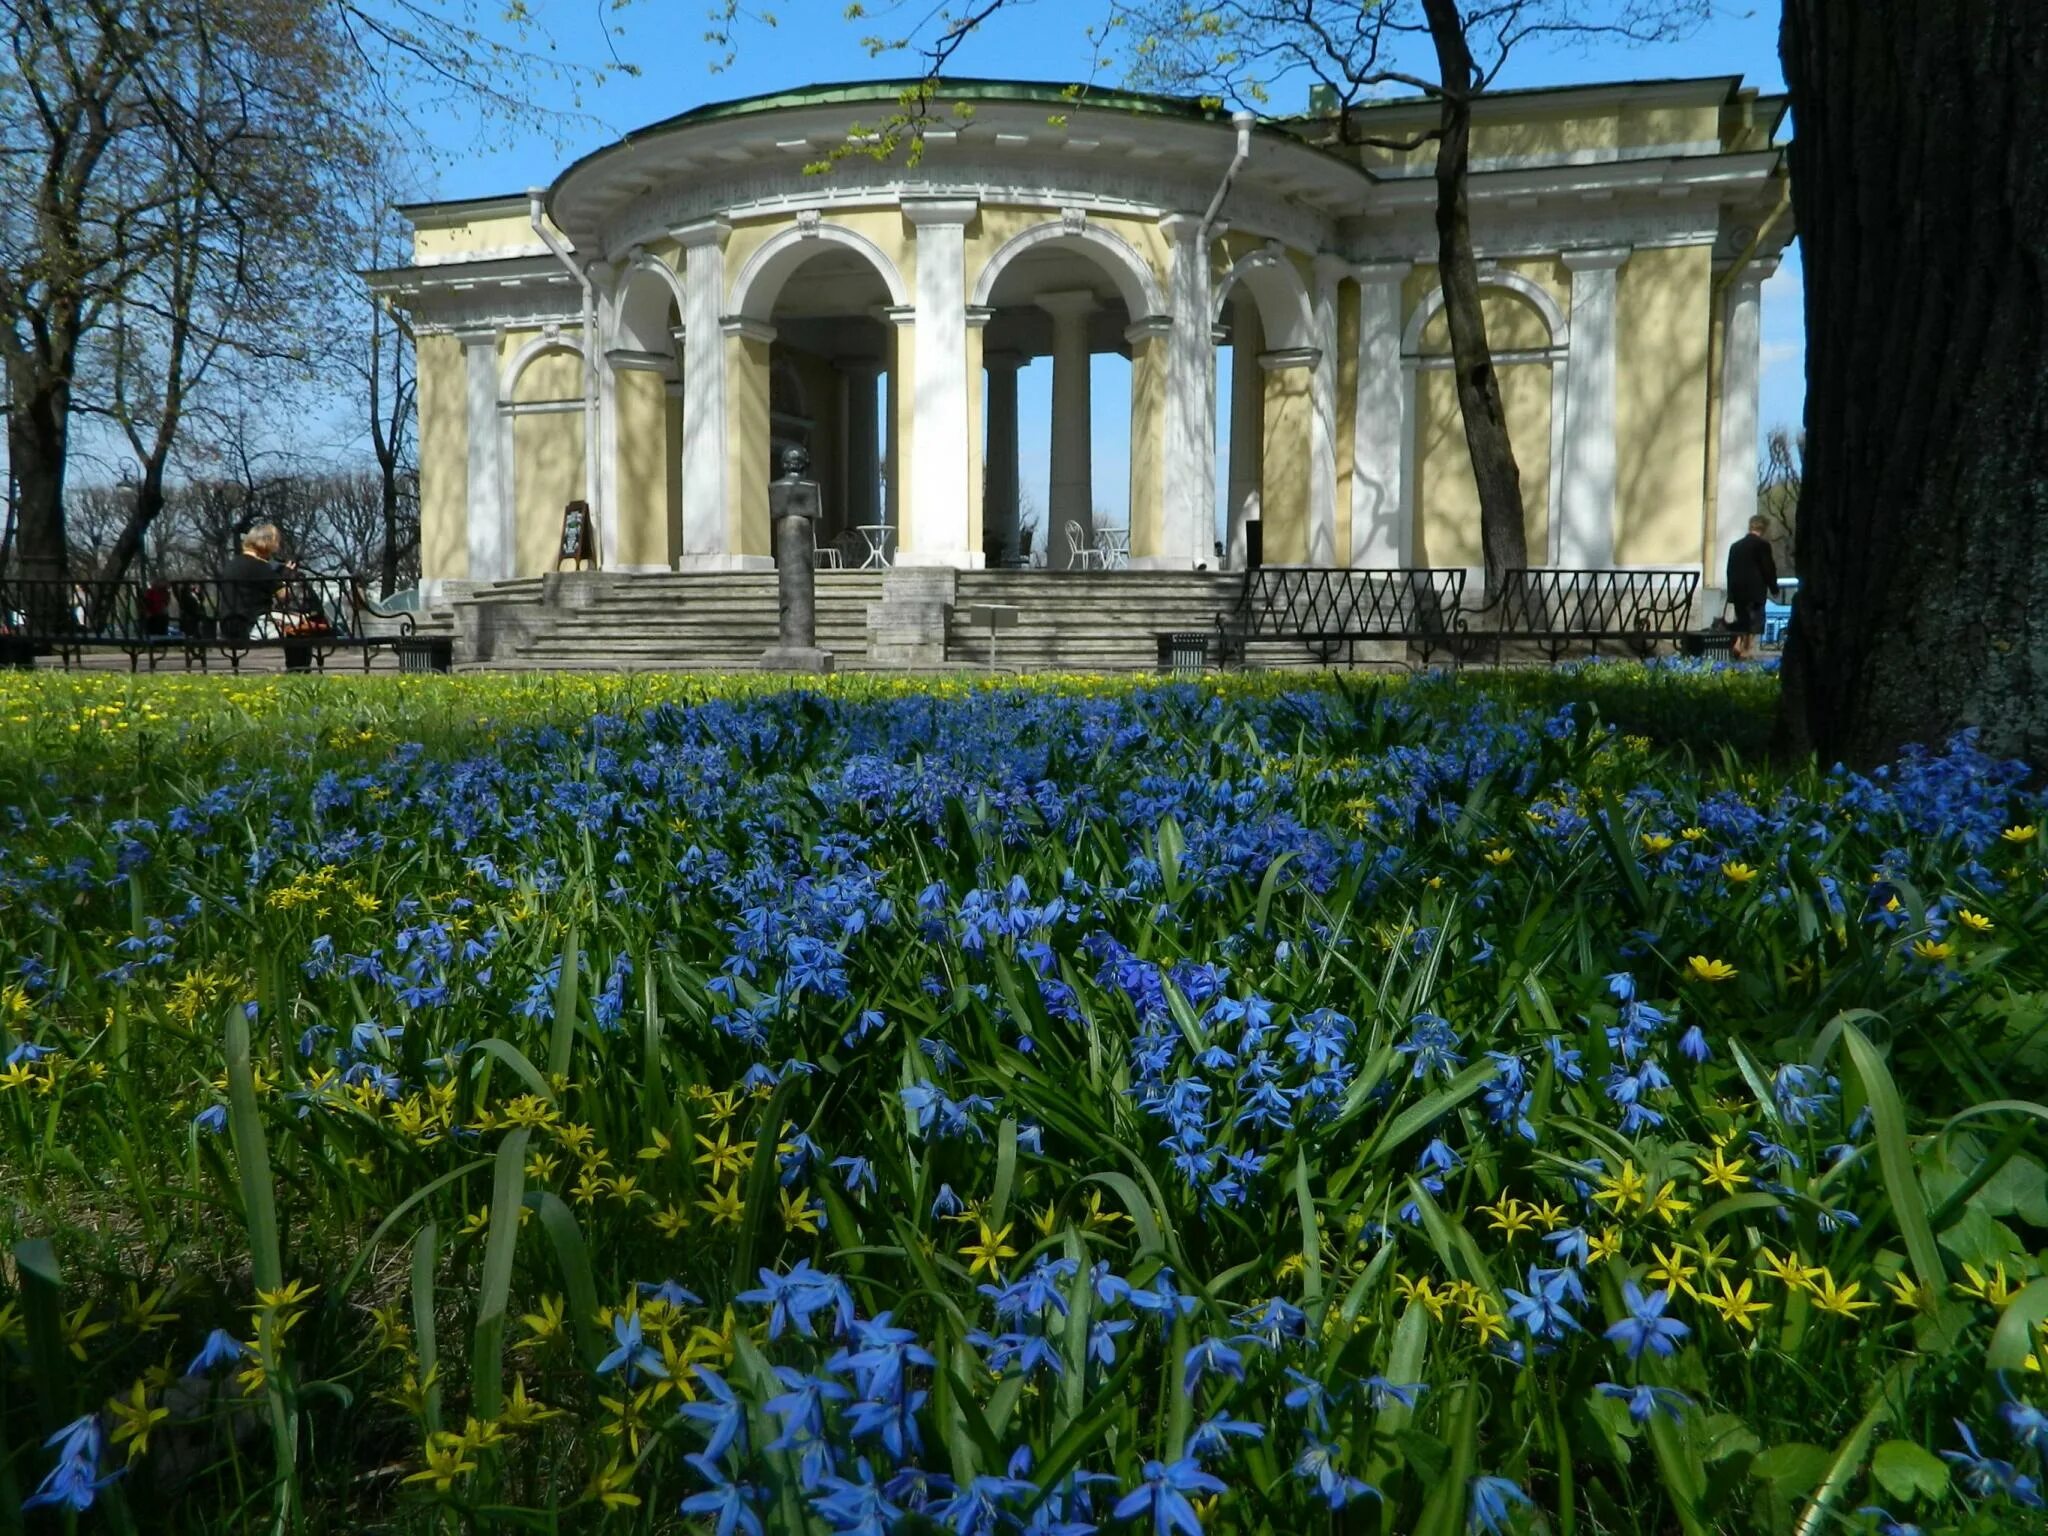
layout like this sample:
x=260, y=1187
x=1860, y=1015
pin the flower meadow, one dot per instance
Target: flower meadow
x=1496, y=1104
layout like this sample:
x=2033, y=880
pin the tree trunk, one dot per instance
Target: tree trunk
x=37, y=431
x=1922, y=197
x=388, y=577
x=149, y=501
x=1502, y=540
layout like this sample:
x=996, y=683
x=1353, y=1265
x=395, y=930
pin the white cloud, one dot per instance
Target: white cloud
x=1777, y=353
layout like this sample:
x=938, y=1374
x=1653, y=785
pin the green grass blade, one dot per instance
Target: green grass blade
x=494, y=1287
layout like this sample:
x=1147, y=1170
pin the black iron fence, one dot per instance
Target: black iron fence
x=306, y=616
x=1331, y=609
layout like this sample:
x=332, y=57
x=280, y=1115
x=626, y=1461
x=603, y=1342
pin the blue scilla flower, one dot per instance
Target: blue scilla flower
x=221, y=1348
x=1692, y=1045
x=2027, y=1424
x=977, y=1509
x=1432, y=1045
x=1646, y=1327
x=1645, y=1400
x=728, y=1505
x=946, y=1203
x=793, y=1299
x=1318, y=1466
x=857, y=1172
x=722, y=1414
x=1212, y=1357
x=1383, y=1394
x=75, y=1481
x=1985, y=1476
x=857, y=1507
x=633, y=1354
x=1162, y=1495
x=1491, y=1501
x=1211, y=1438
x=213, y=1119
x=1541, y=1308
x=801, y=1407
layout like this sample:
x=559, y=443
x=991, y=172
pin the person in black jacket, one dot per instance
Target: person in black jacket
x=1752, y=577
x=254, y=584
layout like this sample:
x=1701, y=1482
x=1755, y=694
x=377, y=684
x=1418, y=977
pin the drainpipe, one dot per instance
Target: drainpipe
x=581, y=273
x=1242, y=122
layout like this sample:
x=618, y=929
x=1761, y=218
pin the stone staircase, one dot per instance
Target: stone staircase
x=722, y=621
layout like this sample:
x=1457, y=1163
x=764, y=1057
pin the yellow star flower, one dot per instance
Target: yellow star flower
x=134, y=1419
x=1720, y=1173
x=725, y=1205
x=1510, y=1216
x=1931, y=949
x=1498, y=857
x=1671, y=1271
x=1665, y=1204
x=1603, y=1245
x=1703, y=969
x=1909, y=1293
x=1734, y=1304
x=989, y=1253
x=521, y=1410
x=544, y=1326
x=1735, y=872
x=1656, y=842
x=445, y=1462
x=1994, y=1288
x=1791, y=1271
x=1481, y=1317
x=1838, y=1300
x=800, y=1213
x=1624, y=1190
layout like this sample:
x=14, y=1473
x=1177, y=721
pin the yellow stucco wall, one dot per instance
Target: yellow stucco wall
x=1660, y=404
x=1148, y=446
x=1507, y=131
x=996, y=224
x=1446, y=496
x=439, y=241
x=551, y=375
x=547, y=474
x=1513, y=324
x=444, y=458
x=886, y=227
x=644, y=452
x=746, y=428
x=1283, y=495
x=1347, y=412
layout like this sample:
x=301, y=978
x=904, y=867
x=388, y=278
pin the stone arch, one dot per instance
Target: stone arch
x=760, y=280
x=1538, y=296
x=646, y=291
x=1274, y=285
x=1117, y=257
x=508, y=389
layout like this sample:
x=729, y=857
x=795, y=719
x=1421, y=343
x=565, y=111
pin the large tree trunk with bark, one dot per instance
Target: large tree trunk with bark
x=1921, y=189
x=38, y=429
x=1502, y=541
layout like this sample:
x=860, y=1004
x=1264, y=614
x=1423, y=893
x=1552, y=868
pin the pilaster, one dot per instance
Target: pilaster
x=1189, y=472
x=1735, y=500
x=1586, y=539
x=937, y=528
x=492, y=538
x=1322, y=420
x=705, y=435
x=1380, y=537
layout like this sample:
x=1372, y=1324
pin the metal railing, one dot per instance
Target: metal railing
x=1558, y=609
x=308, y=617
x=1329, y=609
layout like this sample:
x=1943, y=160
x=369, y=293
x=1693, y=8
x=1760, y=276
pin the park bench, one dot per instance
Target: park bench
x=1559, y=611
x=1332, y=609
x=317, y=616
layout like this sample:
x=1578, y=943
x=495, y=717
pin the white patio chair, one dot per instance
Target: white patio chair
x=1081, y=555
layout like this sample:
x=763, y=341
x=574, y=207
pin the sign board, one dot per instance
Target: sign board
x=579, y=538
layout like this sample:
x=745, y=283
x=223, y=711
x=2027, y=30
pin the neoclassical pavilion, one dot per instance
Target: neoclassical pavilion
x=646, y=333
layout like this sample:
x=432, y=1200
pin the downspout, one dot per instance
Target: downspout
x=1243, y=122
x=553, y=242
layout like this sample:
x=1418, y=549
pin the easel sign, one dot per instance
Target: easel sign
x=579, y=537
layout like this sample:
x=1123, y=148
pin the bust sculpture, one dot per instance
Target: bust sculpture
x=793, y=507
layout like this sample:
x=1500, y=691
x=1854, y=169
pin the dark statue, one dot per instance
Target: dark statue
x=793, y=506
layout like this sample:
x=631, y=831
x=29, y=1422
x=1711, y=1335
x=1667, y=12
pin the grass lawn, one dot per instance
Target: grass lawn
x=1499, y=1103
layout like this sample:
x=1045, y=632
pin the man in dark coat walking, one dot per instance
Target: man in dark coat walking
x=1752, y=577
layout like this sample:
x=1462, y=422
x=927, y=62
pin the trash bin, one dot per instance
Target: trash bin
x=1184, y=653
x=425, y=653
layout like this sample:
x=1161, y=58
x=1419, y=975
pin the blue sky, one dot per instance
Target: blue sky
x=1039, y=39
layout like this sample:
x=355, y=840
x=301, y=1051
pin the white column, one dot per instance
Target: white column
x=1247, y=427
x=1379, y=422
x=491, y=536
x=704, y=437
x=1741, y=359
x=999, y=502
x=939, y=474
x=1587, y=536
x=1322, y=415
x=1190, y=468
x=1070, y=485
x=863, y=442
